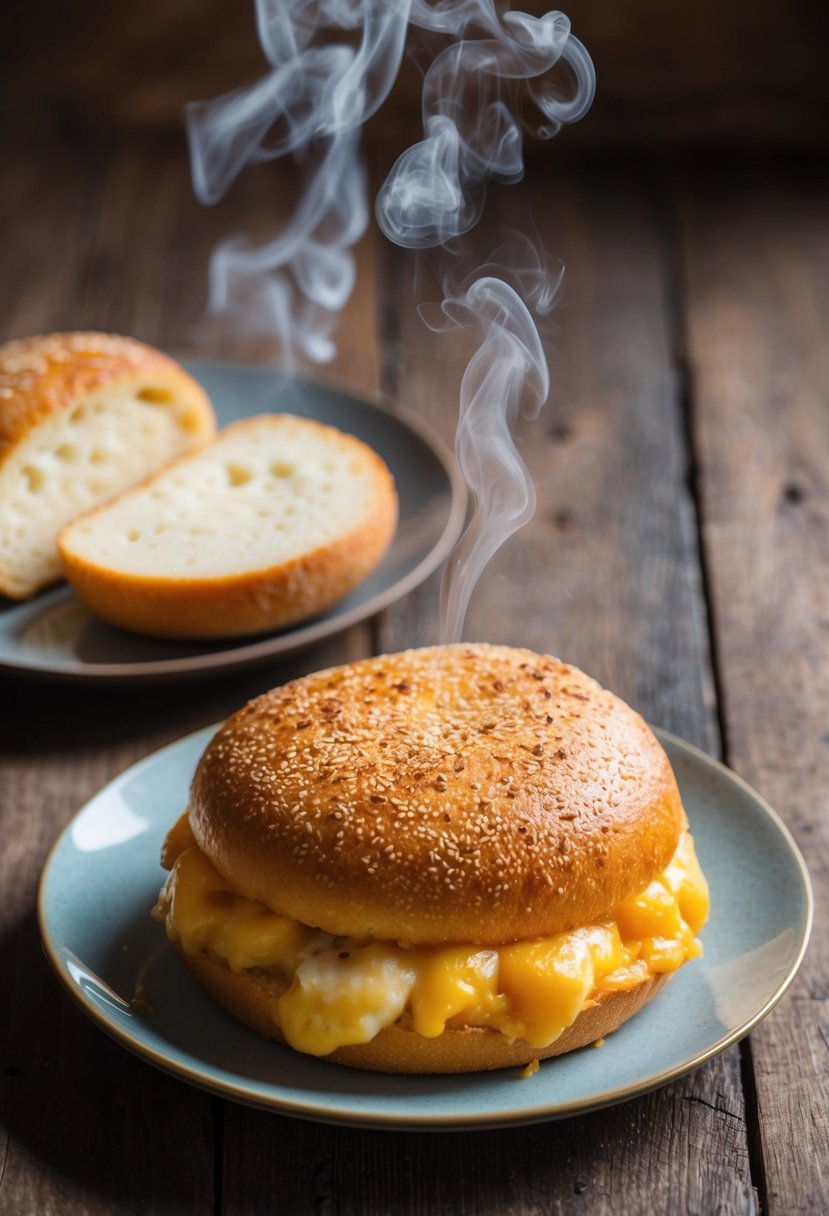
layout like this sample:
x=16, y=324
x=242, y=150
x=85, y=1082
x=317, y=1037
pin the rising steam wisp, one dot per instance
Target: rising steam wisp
x=472, y=94
x=333, y=63
x=434, y=194
x=507, y=376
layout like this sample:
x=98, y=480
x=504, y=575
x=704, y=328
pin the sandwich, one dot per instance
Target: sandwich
x=446, y=860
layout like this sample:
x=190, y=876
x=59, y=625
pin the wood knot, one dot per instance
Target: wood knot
x=562, y=519
x=794, y=494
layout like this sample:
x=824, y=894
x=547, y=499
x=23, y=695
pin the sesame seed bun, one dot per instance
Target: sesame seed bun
x=250, y=997
x=465, y=793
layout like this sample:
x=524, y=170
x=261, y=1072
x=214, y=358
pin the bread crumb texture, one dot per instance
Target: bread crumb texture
x=82, y=416
x=463, y=793
x=272, y=523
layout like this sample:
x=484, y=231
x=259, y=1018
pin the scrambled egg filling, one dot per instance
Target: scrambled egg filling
x=336, y=991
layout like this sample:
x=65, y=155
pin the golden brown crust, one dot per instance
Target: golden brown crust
x=49, y=373
x=467, y=793
x=238, y=604
x=250, y=997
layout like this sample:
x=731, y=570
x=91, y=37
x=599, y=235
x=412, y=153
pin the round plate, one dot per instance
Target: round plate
x=108, y=859
x=53, y=635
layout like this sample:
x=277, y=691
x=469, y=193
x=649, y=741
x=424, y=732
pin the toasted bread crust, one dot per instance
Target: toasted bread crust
x=82, y=416
x=465, y=793
x=250, y=998
x=193, y=605
x=49, y=373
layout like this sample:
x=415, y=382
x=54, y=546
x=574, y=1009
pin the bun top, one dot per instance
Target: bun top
x=47, y=373
x=466, y=793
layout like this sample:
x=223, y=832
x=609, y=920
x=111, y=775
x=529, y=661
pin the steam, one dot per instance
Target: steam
x=507, y=375
x=437, y=188
x=311, y=104
x=435, y=193
x=332, y=64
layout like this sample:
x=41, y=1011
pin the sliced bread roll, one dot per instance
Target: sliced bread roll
x=82, y=416
x=270, y=524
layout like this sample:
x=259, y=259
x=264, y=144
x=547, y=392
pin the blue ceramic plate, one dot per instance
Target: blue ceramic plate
x=108, y=859
x=53, y=635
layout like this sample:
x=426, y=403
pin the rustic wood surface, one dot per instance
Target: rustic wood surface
x=678, y=552
x=756, y=257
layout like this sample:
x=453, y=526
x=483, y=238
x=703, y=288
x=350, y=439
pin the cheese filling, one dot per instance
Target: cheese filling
x=333, y=991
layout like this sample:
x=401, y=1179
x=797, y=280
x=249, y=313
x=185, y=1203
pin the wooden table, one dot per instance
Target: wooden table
x=679, y=553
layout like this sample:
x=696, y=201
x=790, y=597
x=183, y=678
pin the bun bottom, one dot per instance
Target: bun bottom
x=250, y=999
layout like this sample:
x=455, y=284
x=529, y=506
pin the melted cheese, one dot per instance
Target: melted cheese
x=337, y=991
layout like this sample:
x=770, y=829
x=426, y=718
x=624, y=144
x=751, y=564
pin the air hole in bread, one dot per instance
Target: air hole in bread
x=98, y=456
x=34, y=478
x=282, y=468
x=66, y=451
x=77, y=414
x=190, y=423
x=133, y=535
x=237, y=474
x=155, y=395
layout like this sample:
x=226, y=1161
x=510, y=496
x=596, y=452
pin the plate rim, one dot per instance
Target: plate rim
x=270, y=646
x=517, y=1117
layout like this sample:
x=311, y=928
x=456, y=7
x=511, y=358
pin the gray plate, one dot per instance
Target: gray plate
x=53, y=635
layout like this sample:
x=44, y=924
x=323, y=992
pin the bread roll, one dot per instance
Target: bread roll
x=82, y=416
x=272, y=523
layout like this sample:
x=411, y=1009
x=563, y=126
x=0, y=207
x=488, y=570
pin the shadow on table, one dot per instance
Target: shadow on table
x=63, y=719
x=89, y=1126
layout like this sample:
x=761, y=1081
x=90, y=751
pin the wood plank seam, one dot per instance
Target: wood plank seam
x=677, y=296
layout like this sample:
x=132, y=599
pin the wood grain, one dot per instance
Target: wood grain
x=608, y=574
x=757, y=266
